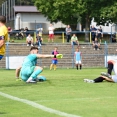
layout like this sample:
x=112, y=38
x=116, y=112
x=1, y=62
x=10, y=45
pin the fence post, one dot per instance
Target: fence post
x=40, y=60
x=106, y=54
x=116, y=36
x=7, y=55
x=90, y=37
x=63, y=39
x=72, y=55
x=34, y=37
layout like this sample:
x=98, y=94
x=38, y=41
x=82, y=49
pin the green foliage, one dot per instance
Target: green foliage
x=73, y=11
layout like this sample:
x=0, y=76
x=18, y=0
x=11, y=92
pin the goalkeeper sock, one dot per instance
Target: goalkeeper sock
x=77, y=66
x=35, y=73
x=51, y=66
x=54, y=67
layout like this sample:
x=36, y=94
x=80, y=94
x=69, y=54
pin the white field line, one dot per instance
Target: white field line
x=97, y=98
x=36, y=105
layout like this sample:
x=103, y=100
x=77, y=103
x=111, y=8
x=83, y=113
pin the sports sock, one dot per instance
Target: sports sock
x=80, y=66
x=99, y=79
x=110, y=68
x=35, y=73
x=51, y=66
x=77, y=66
x=54, y=67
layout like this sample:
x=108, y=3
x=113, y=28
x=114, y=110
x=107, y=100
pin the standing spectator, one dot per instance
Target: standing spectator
x=113, y=38
x=3, y=35
x=39, y=40
x=40, y=31
x=68, y=33
x=54, y=60
x=9, y=32
x=74, y=40
x=96, y=44
x=77, y=58
x=93, y=33
x=51, y=33
x=26, y=30
x=29, y=40
x=99, y=33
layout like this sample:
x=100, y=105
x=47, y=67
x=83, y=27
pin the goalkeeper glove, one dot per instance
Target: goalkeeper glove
x=59, y=56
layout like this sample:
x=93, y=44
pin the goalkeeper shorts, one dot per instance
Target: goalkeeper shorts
x=26, y=73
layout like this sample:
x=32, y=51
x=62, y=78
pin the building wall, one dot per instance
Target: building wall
x=33, y=21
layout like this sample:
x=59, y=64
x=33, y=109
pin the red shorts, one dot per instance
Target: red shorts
x=51, y=36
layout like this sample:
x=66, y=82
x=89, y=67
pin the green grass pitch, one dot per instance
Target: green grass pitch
x=64, y=91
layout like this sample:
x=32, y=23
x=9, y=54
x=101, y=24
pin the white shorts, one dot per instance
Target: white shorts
x=114, y=77
x=115, y=69
x=78, y=62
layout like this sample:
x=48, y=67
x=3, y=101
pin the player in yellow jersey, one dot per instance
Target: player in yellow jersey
x=3, y=35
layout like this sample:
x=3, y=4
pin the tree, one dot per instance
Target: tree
x=74, y=11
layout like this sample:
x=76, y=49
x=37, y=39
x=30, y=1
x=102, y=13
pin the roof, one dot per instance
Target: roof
x=25, y=9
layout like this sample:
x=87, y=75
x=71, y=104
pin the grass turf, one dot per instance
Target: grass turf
x=64, y=90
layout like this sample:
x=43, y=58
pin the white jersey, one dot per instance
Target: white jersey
x=51, y=30
x=29, y=38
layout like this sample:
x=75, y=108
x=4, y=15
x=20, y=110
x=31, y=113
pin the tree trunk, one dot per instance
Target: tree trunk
x=87, y=28
x=73, y=27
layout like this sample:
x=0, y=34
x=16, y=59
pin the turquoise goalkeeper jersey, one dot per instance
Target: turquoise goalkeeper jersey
x=30, y=60
x=28, y=66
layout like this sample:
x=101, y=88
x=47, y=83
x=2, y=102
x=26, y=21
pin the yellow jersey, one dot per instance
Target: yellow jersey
x=4, y=34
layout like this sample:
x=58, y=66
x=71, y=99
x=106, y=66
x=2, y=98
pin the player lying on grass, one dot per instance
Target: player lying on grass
x=112, y=65
x=29, y=70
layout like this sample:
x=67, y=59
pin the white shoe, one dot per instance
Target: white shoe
x=88, y=81
x=31, y=81
x=94, y=48
x=85, y=80
x=27, y=44
x=98, y=49
x=31, y=44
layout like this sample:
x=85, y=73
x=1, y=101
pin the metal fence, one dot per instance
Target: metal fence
x=105, y=56
x=107, y=36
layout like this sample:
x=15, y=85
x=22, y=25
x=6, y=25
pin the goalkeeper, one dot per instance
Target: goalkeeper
x=29, y=70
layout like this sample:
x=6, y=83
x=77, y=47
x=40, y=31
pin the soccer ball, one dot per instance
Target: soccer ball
x=41, y=78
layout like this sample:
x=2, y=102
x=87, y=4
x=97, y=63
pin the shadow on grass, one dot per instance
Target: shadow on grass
x=21, y=83
x=17, y=85
x=1, y=113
